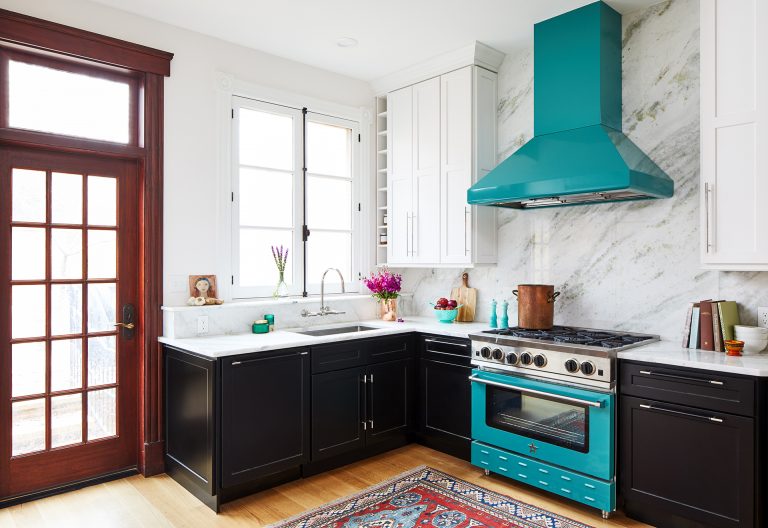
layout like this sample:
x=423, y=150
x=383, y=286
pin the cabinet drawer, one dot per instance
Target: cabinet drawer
x=691, y=387
x=446, y=350
x=389, y=348
x=335, y=356
x=595, y=492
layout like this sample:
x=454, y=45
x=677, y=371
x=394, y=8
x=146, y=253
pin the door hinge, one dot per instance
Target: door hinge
x=305, y=233
x=359, y=207
x=233, y=113
x=233, y=196
x=358, y=138
x=232, y=278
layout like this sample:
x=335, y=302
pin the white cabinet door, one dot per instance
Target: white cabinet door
x=399, y=176
x=456, y=166
x=425, y=220
x=483, y=228
x=734, y=134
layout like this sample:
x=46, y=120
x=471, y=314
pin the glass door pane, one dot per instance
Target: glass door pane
x=537, y=417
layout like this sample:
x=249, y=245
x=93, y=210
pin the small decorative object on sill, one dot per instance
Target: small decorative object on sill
x=280, y=255
x=260, y=327
x=383, y=239
x=733, y=347
x=385, y=287
x=271, y=320
x=202, y=290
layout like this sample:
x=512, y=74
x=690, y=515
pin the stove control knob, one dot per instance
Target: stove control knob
x=512, y=358
x=485, y=352
x=587, y=368
x=526, y=358
x=539, y=360
x=497, y=354
x=572, y=366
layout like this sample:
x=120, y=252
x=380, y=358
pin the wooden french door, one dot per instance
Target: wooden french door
x=69, y=265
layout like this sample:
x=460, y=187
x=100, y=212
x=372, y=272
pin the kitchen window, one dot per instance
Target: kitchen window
x=275, y=202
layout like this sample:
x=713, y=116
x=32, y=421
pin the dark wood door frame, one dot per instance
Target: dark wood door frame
x=149, y=66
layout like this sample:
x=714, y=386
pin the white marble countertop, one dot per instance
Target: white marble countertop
x=230, y=345
x=669, y=353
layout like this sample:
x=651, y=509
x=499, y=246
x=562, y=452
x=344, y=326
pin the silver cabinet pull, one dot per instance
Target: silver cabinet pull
x=681, y=413
x=708, y=190
x=370, y=424
x=448, y=343
x=467, y=212
x=681, y=378
x=414, y=232
x=365, y=426
x=549, y=395
x=370, y=378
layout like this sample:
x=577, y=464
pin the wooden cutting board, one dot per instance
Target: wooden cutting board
x=467, y=297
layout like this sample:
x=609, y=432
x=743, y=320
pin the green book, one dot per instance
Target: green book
x=729, y=316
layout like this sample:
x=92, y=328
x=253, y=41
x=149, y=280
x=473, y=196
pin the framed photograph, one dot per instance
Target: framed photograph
x=203, y=286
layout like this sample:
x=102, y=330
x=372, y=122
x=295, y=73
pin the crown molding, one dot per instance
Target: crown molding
x=476, y=53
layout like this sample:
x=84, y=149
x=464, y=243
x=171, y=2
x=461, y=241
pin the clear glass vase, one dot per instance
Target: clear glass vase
x=281, y=290
x=388, y=309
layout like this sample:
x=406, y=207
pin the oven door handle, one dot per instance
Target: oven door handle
x=538, y=392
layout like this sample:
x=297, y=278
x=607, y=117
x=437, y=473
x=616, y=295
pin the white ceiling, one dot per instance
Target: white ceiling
x=392, y=34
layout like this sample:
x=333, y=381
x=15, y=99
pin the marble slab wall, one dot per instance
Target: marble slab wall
x=632, y=266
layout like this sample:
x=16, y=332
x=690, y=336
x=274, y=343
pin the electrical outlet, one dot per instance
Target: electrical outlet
x=202, y=324
x=762, y=316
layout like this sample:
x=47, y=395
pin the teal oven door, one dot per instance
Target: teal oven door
x=558, y=424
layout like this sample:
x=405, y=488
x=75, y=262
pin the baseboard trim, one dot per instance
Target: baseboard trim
x=152, y=459
x=72, y=486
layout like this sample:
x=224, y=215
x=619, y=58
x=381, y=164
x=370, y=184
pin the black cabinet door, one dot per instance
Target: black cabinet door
x=338, y=412
x=391, y=400
x=264, y=414
x=445, y=407
x=190, y=421
x=686, y=462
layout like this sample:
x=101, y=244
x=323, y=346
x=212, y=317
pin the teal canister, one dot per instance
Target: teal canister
x=270, y=318
x=260, y=327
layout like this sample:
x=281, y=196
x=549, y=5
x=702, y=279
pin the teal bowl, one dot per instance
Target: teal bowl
x=447, y=316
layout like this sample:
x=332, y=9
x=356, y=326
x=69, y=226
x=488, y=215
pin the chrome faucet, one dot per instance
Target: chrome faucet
x=325, y=310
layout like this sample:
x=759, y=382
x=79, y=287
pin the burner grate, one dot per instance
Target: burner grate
x=575, y=336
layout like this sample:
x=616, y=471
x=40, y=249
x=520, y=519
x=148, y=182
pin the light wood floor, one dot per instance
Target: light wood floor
x=160, y=502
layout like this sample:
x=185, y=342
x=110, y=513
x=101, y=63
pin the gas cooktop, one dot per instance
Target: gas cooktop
x=567, y=354
x=567, y=335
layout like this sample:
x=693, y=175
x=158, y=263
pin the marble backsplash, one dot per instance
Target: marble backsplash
x=633, y=266
x=237, y=317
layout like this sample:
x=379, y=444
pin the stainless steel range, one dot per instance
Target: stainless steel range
x=570, y=354
x=544, y=408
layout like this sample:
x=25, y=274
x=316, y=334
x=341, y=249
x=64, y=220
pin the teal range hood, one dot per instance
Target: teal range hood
x=578, y=154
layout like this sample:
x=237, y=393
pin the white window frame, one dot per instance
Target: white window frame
x=352, y=283
x=296, y=255
x=363, y=257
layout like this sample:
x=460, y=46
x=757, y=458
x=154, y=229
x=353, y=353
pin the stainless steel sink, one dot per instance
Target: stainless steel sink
x=339, y=330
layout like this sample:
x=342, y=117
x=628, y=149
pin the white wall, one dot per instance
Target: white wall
x=191, y=216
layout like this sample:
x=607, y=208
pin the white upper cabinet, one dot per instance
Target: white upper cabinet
x=452, y=143
x=734, y=134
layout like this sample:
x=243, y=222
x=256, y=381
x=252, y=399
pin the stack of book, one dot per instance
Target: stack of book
x=709, y=324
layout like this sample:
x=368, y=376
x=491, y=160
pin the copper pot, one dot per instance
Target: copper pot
x=535, y=306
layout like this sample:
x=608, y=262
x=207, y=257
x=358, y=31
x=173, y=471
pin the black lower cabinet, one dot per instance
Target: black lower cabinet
x=265, y=404
x=363, y=399
x=236, y=425
x=338, y=410
x=391, y=389
x=689, y=465
x=445, y=398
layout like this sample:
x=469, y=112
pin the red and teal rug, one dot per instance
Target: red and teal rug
x=427, y=498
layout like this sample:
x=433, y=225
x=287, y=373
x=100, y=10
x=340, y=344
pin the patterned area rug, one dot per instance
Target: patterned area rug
x=427, y=498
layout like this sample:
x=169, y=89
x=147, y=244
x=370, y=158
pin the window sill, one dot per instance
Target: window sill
x=272, y=302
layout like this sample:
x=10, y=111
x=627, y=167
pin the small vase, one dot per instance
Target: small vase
x=281, y=290
x=388, y=309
